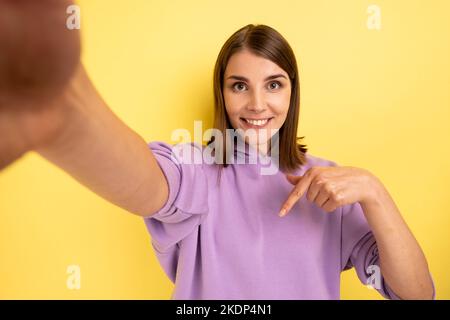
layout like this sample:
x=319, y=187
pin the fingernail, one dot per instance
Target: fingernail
x=282, y=212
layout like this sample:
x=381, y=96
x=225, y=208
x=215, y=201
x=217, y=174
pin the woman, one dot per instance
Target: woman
x=225, y=231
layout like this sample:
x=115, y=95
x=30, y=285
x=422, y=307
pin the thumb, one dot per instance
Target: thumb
x=293, y=179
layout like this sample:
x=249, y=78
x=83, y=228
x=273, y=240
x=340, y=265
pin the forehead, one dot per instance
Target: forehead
x=247, y=64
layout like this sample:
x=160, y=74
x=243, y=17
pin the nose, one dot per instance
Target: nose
x=256, y=102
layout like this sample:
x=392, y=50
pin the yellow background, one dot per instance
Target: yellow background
x=374, y=99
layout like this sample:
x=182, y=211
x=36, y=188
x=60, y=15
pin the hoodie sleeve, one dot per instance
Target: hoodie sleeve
x=187, y=203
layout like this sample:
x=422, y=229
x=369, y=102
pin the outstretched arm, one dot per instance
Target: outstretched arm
x=103, y=153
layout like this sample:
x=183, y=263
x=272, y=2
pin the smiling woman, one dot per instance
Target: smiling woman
x=345, y=220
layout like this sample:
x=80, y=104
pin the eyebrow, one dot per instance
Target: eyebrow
x=274, y=76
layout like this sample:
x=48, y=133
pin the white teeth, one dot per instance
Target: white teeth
x=257, y=122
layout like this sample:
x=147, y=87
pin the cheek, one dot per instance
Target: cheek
x=232, y=106
x=280, y=105
x=280, y=100
x=286, y=99
x=281, y=108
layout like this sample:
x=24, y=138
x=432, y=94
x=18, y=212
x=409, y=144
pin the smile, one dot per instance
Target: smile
x=256, y=123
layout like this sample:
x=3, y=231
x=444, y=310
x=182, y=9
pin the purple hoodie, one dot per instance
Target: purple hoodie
x=226, y=241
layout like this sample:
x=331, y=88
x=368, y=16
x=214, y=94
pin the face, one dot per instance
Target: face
x=257, y=94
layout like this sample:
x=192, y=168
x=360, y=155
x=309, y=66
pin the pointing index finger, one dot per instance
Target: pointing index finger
x=296, y=193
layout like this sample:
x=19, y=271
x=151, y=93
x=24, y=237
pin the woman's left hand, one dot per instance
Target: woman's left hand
x=332, y=187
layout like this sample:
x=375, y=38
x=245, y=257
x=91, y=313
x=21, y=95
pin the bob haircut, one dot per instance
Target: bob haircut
x=268, y=43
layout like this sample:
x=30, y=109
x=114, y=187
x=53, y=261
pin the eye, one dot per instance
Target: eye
x=237, y=86
x=277, y=83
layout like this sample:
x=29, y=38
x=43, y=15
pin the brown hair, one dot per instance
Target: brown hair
x=268, y=43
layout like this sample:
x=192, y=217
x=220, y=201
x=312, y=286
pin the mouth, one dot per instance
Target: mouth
x=256, y=123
